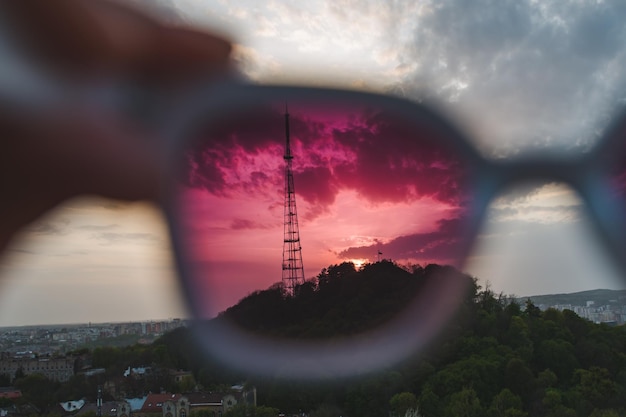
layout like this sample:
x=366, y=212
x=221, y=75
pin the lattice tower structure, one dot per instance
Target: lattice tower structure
x=293, y=269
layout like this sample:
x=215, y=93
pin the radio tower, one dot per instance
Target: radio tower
x=293, y=270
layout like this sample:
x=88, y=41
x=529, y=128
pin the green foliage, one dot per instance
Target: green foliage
x=340, y=301
x=5, y=402
x=506, y=404
x=402, y=402
x=38, y=390
x=464, y=403
x=326, y=410
x=604, y=413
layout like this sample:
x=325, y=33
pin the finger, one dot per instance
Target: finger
x=62, y=34
x=99, y=36
x=182, y=52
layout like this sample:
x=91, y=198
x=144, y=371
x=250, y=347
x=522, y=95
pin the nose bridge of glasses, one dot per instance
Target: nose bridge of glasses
x=540, y=169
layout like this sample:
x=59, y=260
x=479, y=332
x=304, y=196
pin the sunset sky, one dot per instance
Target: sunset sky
x=515, y=75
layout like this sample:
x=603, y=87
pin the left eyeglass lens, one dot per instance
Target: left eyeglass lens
x=372, y=191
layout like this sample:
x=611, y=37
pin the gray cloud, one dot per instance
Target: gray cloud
x=537, y=73
x=22, y=251
x=98, y=227
x=50, y=228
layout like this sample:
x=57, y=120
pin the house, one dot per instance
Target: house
x=181, y=405
x=56, y=368
x=108, y=409
x=170, y=405
x=11, y=393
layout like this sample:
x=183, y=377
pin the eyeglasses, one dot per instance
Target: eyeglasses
x=341, y=220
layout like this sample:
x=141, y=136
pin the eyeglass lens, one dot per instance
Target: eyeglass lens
x=291, y=213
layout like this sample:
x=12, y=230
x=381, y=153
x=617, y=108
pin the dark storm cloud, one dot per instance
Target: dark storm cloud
x=317, y=185
x=225, y=151
x=381, y=157
x=525, y=72
x=443, y=244
x=397, y=162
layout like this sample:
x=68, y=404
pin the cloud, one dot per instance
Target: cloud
x=525, y=72
x=50, y=228
x=385, y=159
x=443, y=245
x=243, y=224
x=253, y=64
x=542, y=204
x=97, y=227
x=109, y=238
x=22, y=251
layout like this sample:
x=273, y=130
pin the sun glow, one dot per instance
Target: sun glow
x=358, y=263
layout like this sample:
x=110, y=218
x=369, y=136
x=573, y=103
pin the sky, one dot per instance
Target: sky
x=514, y=75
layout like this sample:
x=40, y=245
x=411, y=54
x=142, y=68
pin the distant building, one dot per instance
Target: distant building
x=57, y=369
x=72, y=407
x=181, y=405
x=81, y=407
x=171, y=405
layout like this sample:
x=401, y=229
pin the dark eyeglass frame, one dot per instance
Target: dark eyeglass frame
x=416, y=327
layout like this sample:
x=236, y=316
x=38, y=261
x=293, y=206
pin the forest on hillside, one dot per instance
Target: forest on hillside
x=499, y=358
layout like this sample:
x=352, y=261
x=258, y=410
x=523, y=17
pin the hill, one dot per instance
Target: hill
x=502, y=357
x=600, y=297
x=341, y=300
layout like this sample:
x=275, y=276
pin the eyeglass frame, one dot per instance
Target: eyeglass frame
x=408, y=333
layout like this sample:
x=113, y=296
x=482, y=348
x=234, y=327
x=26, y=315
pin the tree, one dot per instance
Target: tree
x=519, y=378
x=531, y=310
x=429, y=402
x=402, y=402
x=558, y=355
x=603, y=413
x=38, y=390
x=326, y=410
x=594, y=387
x=464, y=404
x=506, y=404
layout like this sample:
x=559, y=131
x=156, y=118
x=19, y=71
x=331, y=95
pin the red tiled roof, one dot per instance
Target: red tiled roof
x=154, y=402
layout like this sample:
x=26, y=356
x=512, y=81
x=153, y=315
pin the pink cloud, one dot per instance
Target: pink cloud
x=382, y=157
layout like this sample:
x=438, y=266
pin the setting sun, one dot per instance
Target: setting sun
x=358, y=263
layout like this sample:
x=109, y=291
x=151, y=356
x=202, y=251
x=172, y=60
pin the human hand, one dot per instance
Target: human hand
x=47, y=158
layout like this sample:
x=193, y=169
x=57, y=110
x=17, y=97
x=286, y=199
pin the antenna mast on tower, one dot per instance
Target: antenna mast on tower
x=293, y=270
